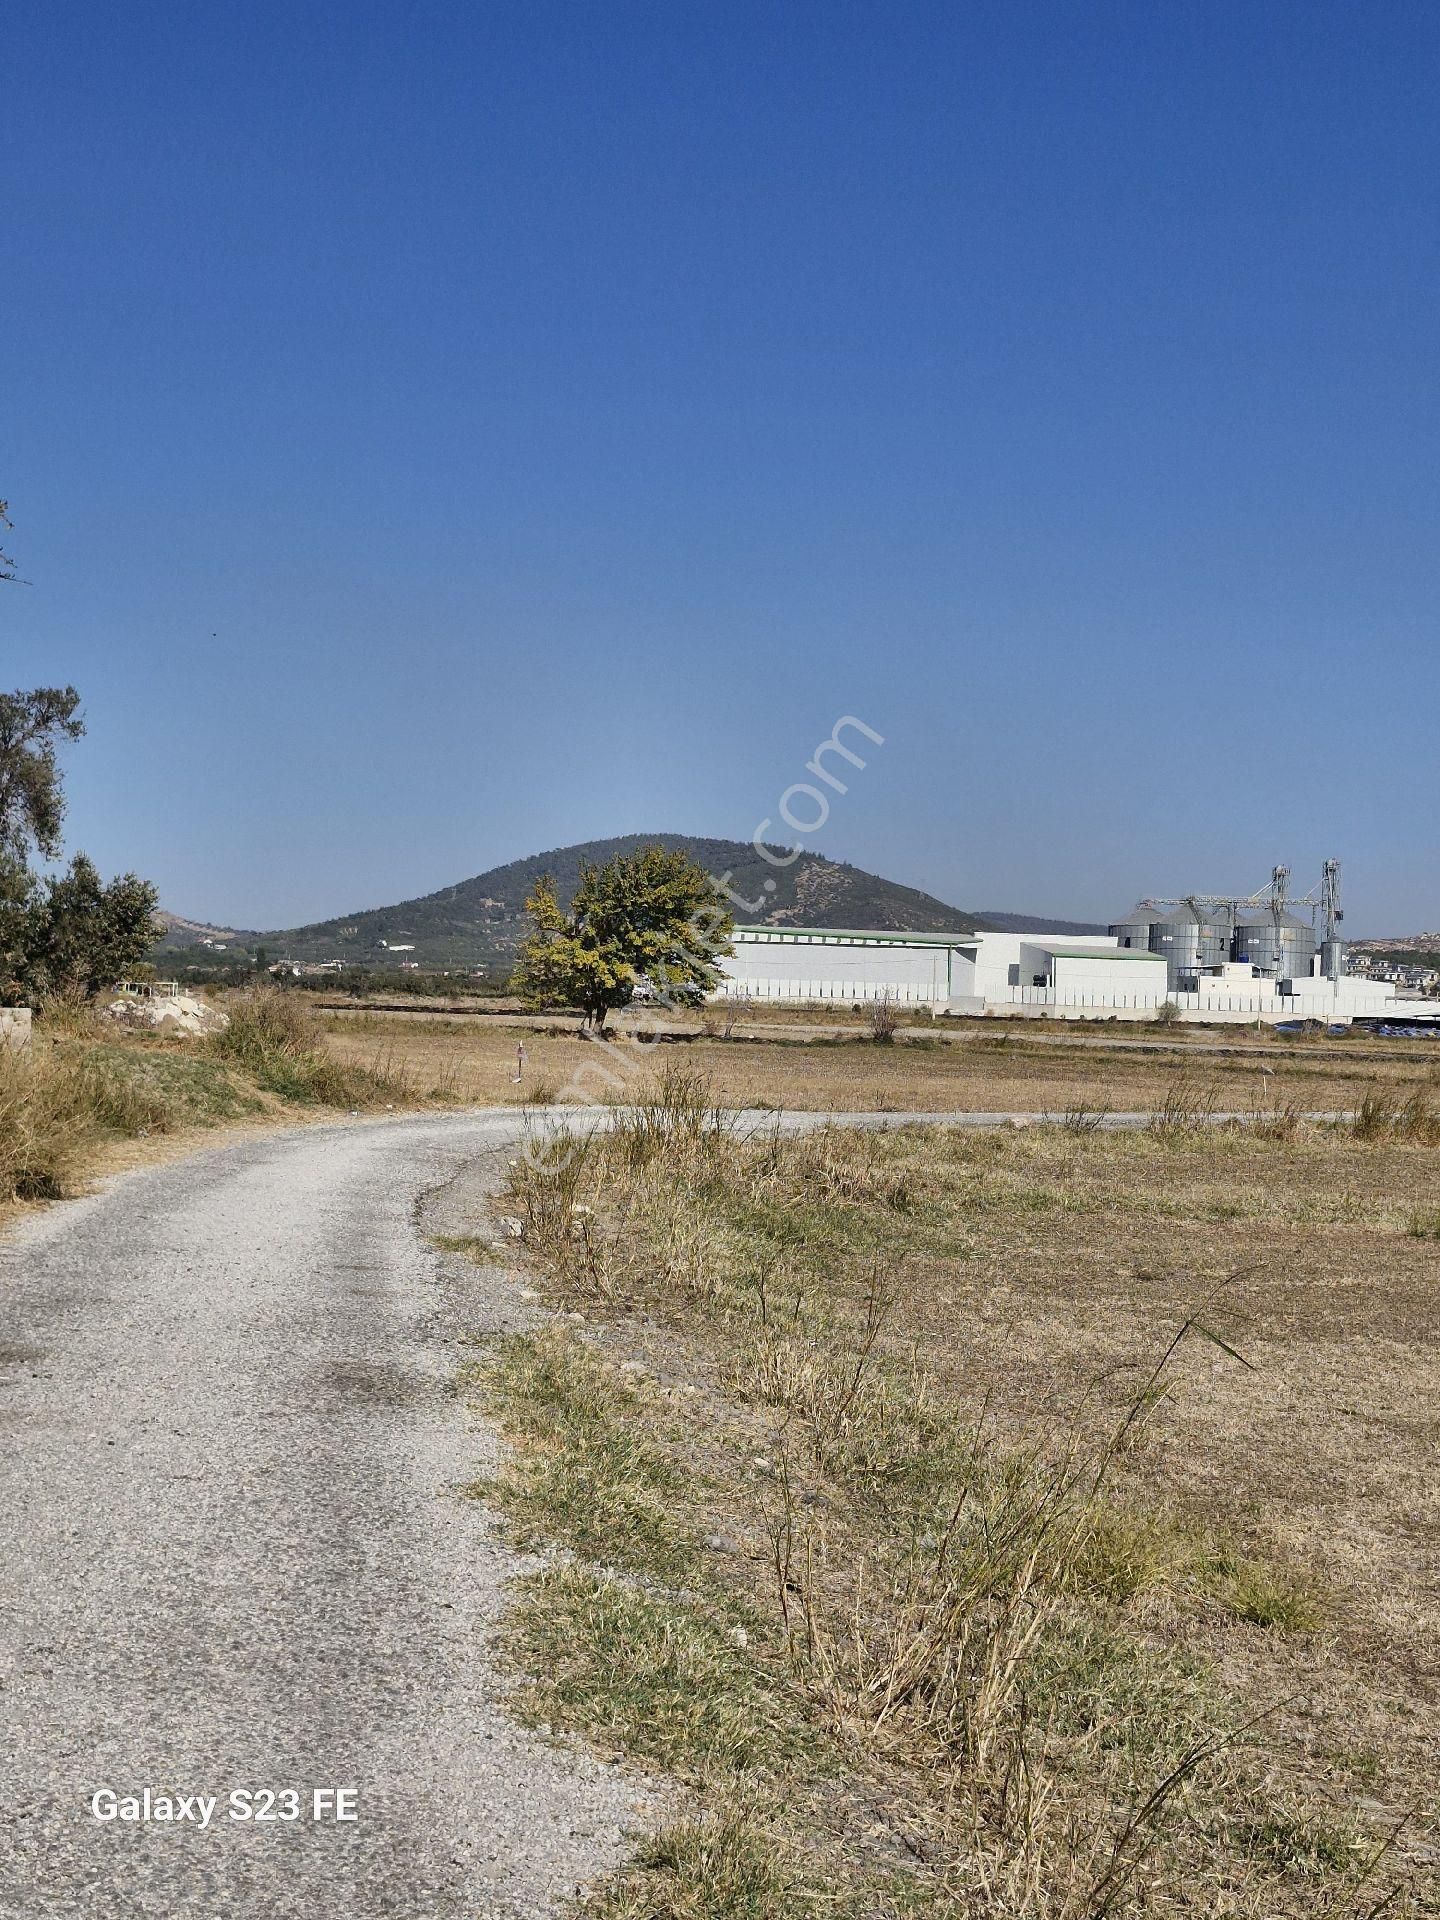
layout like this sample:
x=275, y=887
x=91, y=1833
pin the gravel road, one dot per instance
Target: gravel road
x=233, y=1555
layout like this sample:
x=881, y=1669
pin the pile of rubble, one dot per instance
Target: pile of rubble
x=180, y=1015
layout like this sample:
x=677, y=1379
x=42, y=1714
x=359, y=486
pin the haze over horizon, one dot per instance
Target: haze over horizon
x=442, y=434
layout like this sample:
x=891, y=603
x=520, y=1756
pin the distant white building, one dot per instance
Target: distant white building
x=962, y=972
x=803, y=963
x=1059, y=976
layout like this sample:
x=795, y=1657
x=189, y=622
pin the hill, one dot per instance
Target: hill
x=480, y=922
x=179, y=932
x=1421, y=943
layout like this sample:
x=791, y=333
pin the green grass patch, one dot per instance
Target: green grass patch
x=735, y=1864
x=658, y=1675
x=1127, y=1553
x=1141, y=1707
x=1295, y=1841
x=587, y=1476
x=634, y=1643
x=143, y=1090
x=59, y=1102
x=1265, y=1595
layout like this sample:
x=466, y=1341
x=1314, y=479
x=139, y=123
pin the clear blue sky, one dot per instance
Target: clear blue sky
x=436, y=432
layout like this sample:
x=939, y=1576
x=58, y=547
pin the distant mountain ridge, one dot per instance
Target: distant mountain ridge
x=480, y=922
x=1410, y=942
x=175, y=924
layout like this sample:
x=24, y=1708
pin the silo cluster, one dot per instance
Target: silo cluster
x=1196, y=937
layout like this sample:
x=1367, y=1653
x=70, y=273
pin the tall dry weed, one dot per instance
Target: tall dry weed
x=46, y=1122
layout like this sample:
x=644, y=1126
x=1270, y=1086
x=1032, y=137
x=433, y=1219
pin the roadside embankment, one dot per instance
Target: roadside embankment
x=85, y=1095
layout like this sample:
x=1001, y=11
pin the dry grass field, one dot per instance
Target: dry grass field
x=1054, y=1073
x=1037, y=1522
x=1053, y=1273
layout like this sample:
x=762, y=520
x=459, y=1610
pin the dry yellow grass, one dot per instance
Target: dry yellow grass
x=476, y=1058
x=1284, y=1519
x=1070, y=1261
x=88, y=1098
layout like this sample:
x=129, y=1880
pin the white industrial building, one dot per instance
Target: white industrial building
x=1067, y=977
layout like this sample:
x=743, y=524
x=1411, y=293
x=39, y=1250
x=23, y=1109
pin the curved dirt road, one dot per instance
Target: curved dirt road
x=233, y=1555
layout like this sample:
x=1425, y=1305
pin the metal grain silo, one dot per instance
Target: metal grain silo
x=1255, y=939
x=1282, y=944
x=1134, y=929
x=1297, y=950
x=1191, y=939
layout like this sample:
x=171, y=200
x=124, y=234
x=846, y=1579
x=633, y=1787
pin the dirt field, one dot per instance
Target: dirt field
x=1065, y=1266
x=475, y=1060
x=1281, y=1482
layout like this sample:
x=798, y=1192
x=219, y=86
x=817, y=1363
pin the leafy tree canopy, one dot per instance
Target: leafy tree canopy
x=81, y=935
x=67, y=932
x=653, y=915
x=32, y=800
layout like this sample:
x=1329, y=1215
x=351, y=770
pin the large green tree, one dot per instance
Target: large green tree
x=82, y=934
x=32, y=800
x=654, y=915
x=69, y=931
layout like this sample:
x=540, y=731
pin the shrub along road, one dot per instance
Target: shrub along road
x=236, y=1554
